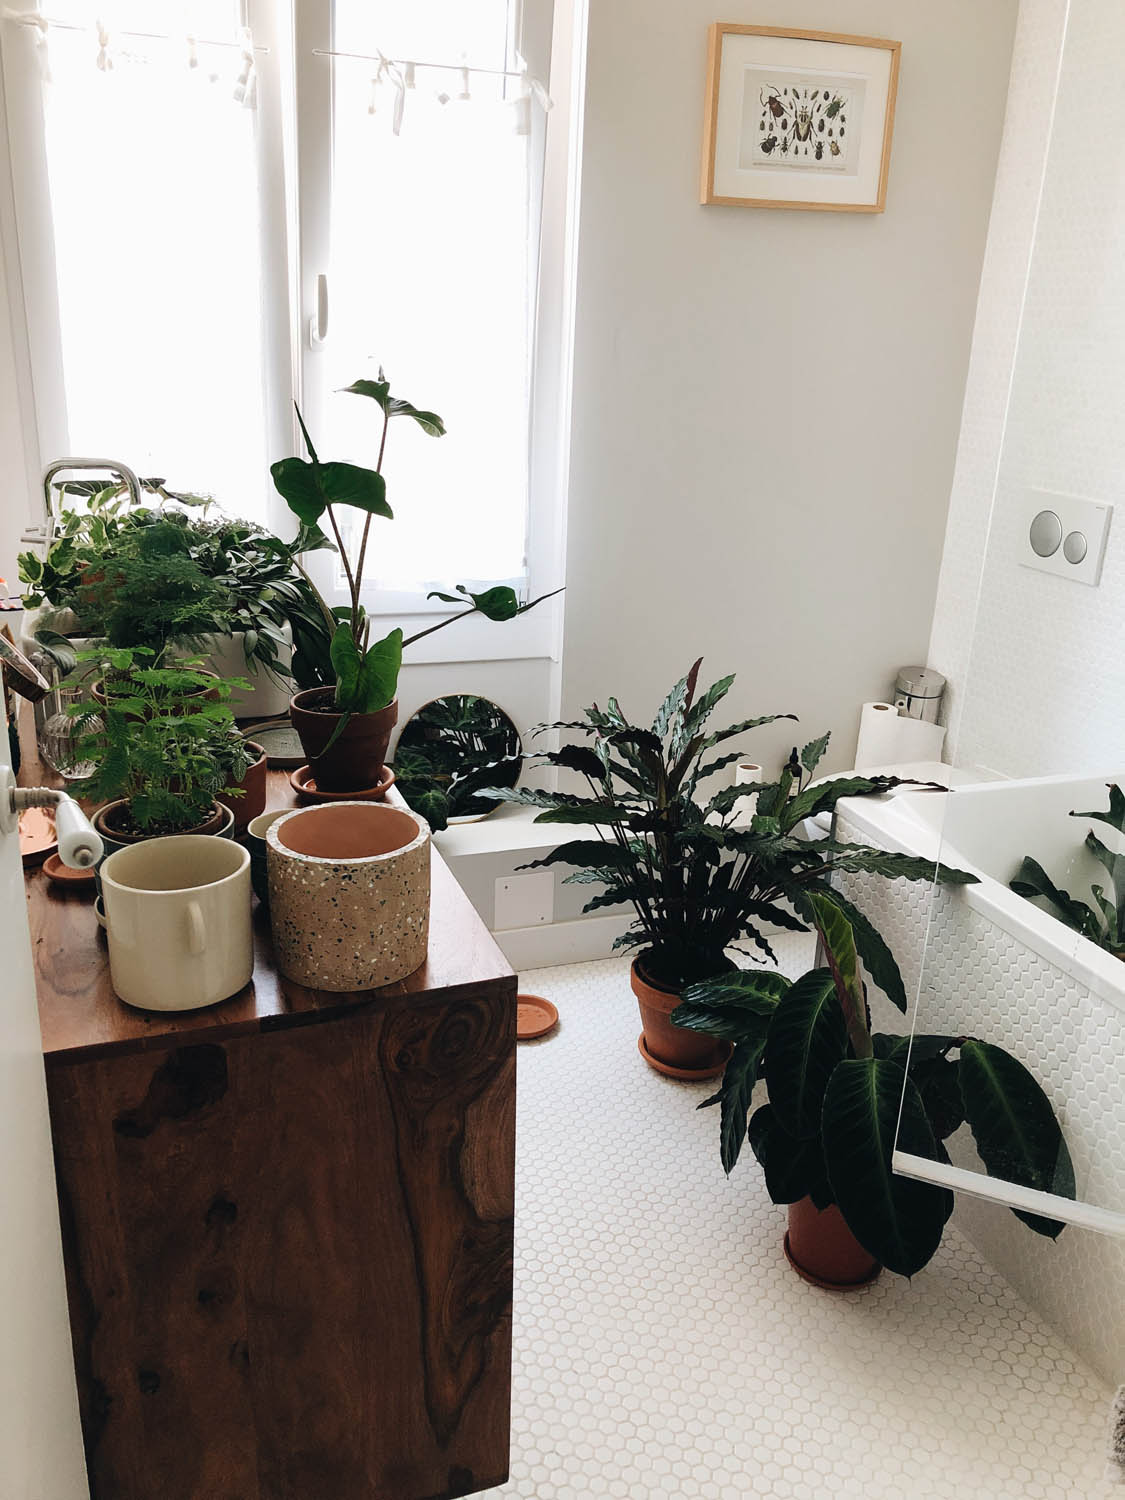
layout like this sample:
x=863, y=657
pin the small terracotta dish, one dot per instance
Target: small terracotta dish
x=685, y=1075
x=304, y=784
x=535, y=1017
x=37, y=835
x=61, y=874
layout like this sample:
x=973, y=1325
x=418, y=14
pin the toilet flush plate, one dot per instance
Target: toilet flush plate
x=1064, y=534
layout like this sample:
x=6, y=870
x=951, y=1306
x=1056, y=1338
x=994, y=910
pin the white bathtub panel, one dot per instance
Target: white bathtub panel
x=1074, y=1042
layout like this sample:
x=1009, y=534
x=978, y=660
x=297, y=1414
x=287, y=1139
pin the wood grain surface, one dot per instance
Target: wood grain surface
x=287, y=1220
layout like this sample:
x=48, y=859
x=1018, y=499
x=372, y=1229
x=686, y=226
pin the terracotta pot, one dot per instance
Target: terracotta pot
x=671, y=1049
x=349, y=894
x=822, y=1249
x=355, y=761
x=253, y=785
x=221, y=821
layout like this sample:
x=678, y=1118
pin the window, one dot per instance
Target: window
x=197, y=180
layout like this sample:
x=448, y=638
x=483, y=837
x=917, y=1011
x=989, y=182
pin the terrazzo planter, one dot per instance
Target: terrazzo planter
x=349, y=894
x=823, y=1251
x=673, y=1050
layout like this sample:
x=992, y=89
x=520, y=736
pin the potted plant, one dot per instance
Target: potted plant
x=698, y=882
x=259, y=595
x=162, y=751
x=345, y=724
x=840, y=1097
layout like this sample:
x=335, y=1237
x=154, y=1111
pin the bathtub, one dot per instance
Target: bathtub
x=982, y=960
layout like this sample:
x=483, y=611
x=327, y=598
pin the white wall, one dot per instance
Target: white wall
x=767, y=403
x=1039, y=660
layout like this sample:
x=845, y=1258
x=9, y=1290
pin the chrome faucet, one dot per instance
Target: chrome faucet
x=59, y=466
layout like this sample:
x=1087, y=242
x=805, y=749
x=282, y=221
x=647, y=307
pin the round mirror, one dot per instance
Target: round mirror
x=448, y=751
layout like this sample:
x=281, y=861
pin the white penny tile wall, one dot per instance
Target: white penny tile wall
x=663, y=1347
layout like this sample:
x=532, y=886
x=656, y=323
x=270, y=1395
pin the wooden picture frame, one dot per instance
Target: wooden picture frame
x=798, y=119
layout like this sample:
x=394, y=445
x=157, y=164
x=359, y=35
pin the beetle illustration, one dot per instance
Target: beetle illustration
x=796, y=116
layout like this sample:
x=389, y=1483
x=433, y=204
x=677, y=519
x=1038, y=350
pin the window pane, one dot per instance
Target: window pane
x=154, y=198
x=430, y=279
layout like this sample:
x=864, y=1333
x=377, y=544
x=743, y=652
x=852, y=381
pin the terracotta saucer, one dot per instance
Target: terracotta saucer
x=827, y=1286
x=61, y=874
x=535, y=1016
x=304, y=784
x=686, y=1075
x=37, y=835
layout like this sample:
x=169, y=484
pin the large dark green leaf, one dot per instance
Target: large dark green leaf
x=739, y=1077
x=1114, y=864
x=670, y=714
x=378, y=674
x=937, y=1080
x=807, y=1038
x=295, y=481
x=877, y=958
x=861, y=860
x=813, y=752
x=1014, y=1126
x=824, y=797
x=731, y=1022
x=1115, y=817
x=840, y=952
x=897, y=1219
x=792, y=1168
x=348, y=484
x=758, y=990
x=346, y=662
x=578, y=758
x=1032, y=881
x=379, y=391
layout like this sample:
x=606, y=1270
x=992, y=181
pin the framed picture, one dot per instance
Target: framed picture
x=798, y=119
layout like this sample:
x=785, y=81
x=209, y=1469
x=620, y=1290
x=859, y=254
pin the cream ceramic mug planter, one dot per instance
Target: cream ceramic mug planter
x=178, y=921
x=349, y=887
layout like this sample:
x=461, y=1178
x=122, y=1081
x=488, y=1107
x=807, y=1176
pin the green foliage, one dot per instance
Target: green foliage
x=159, y=743
x=1105, y=923
x=834, y=1095
x=313, y=491
x=152, y=592
x=450, y=749
x=699, y=883
x=252, y=582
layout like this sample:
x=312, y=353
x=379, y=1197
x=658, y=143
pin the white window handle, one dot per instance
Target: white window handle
x=318, y=323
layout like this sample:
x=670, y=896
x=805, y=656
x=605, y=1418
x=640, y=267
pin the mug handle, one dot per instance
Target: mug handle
x=196, y=932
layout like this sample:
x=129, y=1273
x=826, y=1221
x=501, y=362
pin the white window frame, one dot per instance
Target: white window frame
x=294, y=90
x=537, y=634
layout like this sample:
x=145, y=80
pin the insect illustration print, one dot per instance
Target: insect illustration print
x=793, y=121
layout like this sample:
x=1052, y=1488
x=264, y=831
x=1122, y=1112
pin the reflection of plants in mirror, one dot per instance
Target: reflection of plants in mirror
x=449, y=751
x=164, y=742
x=835, y=1091
x=1105, y=925
x=698, y=882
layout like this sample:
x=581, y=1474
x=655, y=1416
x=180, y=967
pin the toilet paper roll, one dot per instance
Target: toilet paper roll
x=888, y=738
x=746, y=773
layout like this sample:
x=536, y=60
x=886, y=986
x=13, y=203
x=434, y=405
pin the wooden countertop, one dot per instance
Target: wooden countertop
x=80, y=1016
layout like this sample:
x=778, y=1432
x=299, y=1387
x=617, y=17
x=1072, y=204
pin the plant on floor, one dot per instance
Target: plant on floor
x=1105, y=925
x=835, y=1090
x=699, y=881
x=365, y=673
x=163, y=744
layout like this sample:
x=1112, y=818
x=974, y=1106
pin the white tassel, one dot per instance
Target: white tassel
x=192, y=53
x=105, y=62
x=408, y=76
x=246, y=84
x=465, y=93
x=372, y=97
x=521, y=110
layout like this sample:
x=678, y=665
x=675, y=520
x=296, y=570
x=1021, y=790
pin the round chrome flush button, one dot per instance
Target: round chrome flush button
x=1074, y=548
x=1046, y=533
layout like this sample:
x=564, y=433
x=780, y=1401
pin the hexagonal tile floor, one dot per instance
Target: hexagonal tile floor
x=663, y=1347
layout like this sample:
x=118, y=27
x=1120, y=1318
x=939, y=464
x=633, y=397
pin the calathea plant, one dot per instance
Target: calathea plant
x=1105, y=925
x=365, y=672
x=835, y=1092
x=698, y=881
